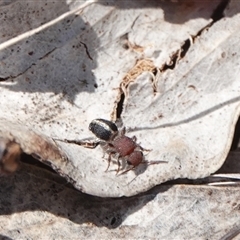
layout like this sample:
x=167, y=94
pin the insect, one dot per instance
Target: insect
x=118, y=144
x=115, y=143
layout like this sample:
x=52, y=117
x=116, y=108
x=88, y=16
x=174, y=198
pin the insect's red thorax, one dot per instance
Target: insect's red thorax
x=124, y=145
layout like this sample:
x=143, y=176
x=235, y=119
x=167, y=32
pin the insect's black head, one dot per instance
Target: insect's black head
x=103, y=129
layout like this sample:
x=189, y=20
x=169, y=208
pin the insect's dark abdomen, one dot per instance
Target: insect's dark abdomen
x=103, y=129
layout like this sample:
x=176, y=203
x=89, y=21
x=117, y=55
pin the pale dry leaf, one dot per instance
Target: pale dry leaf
x=37, y=204
x=65, y=72
x=63, y=66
